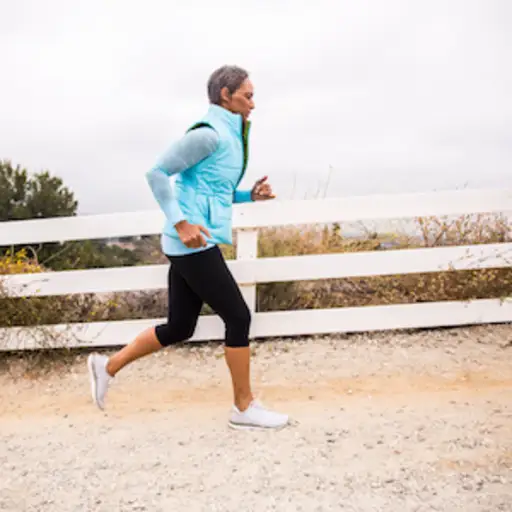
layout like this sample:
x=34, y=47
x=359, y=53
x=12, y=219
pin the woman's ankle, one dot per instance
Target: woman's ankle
x=242, y=403
x=111, y=370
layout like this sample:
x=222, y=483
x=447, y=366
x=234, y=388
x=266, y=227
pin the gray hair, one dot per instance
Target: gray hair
x=231, y=77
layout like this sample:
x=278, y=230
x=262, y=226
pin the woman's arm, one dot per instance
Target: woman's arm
x=193, y=147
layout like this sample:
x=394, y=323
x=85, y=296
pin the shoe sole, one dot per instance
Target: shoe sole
x=92, y=377
x=240, y=426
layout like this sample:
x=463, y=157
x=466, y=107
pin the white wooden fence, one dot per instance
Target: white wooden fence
x=249, y=270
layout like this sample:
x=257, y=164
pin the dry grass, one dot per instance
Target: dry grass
x=396, y=289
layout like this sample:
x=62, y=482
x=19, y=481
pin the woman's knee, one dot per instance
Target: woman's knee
x=171, y=333
x=238, y=326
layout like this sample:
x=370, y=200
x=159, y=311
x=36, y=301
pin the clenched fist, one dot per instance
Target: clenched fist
x=190, y=234
x=262, y=191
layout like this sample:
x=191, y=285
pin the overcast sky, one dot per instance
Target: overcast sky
x=377, y=96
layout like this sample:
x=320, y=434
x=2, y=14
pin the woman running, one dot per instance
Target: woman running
x=207, y=164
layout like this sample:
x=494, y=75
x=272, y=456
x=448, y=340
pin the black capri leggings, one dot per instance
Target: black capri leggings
x=197, y=278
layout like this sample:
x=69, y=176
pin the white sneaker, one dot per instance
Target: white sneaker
x=256, y=417
x=99, y=377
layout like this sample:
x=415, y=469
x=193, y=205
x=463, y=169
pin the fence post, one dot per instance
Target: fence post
x=247, y=249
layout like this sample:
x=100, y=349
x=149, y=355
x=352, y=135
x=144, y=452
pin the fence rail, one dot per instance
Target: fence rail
x=264, y=214
x=249, y=270
x=268, y=270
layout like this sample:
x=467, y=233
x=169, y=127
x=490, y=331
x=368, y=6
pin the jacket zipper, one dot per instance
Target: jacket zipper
x=245, y=147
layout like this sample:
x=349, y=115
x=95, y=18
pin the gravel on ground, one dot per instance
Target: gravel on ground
x=397, y=421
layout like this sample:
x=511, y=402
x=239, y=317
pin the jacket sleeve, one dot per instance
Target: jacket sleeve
x=242, y=196
x=193, y=147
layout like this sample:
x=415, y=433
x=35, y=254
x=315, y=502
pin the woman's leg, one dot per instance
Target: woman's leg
x=184, y=307
x=209, y=276
x=239, y=364
x=144, y=344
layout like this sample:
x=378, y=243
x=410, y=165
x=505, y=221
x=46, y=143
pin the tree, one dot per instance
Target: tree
x=37, y=196
x=31, y=197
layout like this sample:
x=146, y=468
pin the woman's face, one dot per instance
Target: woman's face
x=241, y=101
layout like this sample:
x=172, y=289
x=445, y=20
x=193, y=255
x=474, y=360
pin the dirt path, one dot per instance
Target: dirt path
x=387, y=422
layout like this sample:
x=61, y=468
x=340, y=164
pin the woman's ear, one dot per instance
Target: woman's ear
x=225, y=95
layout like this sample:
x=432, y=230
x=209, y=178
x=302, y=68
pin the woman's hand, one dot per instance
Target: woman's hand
x=262, y=191
x=190, y=234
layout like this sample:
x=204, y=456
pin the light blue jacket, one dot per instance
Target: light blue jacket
x=207, y=164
